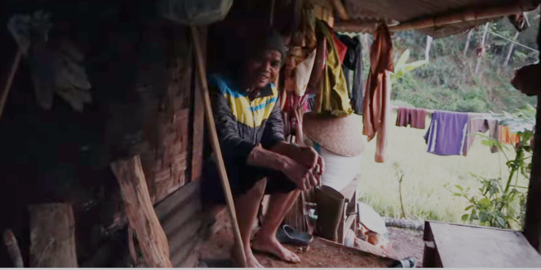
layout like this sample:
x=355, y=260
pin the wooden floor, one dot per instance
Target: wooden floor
x=321, y=253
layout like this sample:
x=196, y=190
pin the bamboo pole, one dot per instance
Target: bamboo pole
x=473, y=14
x=468, y=15
x=216, y=144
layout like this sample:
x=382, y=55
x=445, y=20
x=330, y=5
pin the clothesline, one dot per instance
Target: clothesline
x=427, y=110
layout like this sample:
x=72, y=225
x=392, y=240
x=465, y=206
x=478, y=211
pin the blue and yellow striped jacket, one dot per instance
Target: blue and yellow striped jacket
x=242, y=122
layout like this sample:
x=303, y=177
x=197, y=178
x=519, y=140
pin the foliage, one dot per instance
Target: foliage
x=498, y=203
x=449, y=81
x=402, y=66
x=400, y=177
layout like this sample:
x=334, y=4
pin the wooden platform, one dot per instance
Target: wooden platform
x=457, y=246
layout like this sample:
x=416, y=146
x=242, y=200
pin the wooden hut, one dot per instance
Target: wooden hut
x=62, y=165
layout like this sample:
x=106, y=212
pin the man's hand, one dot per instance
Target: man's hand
x=302, y=165
x=300, y=174
x=305, y=155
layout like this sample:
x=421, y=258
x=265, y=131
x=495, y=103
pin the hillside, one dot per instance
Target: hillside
x=449, y=81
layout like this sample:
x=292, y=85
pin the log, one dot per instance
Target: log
x=52, y=236
x=140, y=212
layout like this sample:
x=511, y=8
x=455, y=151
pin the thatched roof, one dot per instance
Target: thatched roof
x=433, y=17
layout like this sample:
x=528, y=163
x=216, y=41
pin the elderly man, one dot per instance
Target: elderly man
x=258, y=160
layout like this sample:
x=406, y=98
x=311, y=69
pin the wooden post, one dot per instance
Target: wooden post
x=140, y=212
x=202, y=77
x=52, y=236
x=510, y=50
x=467, y=43
x=532, y=223
x=482, y=45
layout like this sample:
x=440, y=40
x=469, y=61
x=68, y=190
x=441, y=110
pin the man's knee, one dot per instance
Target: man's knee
x=259, y=188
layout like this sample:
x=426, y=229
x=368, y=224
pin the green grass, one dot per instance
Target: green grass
x=423, y=191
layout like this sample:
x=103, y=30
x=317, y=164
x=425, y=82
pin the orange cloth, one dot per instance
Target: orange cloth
x=377, y=100
x=507, y=137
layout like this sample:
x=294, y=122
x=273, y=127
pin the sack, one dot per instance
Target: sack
x=191, y=12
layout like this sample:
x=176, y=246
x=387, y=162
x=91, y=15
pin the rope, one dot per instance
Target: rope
x=512, y=41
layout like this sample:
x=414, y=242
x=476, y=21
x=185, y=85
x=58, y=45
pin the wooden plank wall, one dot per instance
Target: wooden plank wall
x=164, y=158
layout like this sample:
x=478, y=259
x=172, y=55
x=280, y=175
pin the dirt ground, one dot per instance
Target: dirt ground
x=321, y=253
x=406, y=243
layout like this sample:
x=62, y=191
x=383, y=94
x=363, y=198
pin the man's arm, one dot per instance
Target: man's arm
x=233, y=146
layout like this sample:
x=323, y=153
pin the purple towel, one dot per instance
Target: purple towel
x=446, y=135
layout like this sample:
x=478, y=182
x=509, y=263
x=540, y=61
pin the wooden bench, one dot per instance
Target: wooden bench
x=459, y=245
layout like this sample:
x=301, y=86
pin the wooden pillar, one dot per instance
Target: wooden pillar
x=532, y=224
x=198, y=122
x=52, y=236
x=140, y=212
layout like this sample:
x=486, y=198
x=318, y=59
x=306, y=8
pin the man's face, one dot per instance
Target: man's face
x=264, y=69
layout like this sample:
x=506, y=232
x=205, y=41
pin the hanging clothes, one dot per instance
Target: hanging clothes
x=341, y=48
x=414, y=117
x=478, y=122
x=507, y=137
x=377, y=98
x=447, y=133
x=302, y=74
x=333, y=97
x=354, y=62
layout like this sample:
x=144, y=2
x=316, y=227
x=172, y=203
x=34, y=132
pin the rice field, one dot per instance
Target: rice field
x=423, y=192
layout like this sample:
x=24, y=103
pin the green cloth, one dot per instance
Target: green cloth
x=333, y=98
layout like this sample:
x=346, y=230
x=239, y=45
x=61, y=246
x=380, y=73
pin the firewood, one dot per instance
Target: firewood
x=140, y=212
x=52, y=236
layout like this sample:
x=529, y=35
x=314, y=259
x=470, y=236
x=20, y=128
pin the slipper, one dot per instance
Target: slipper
x=287, y=235
x=406, y=263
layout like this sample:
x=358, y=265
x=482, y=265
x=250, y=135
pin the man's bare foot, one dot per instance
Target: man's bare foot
x=272, y=246
x=251, y=261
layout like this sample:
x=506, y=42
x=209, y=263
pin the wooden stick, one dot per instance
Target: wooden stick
x=9, y=81
x=52, y=236
x=13, y=249
x=216, y=144
x=340, y=9
x=140, y=212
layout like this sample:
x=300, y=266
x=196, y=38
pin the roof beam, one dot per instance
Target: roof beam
x=467, y=15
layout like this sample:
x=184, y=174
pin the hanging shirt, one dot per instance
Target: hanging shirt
x=333, y=97
x=411, y=116
x=447, y=133
x=377, y=98
x=354, y=62
x=507, y=137
x=478, y=122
